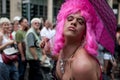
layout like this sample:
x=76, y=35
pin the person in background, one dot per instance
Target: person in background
x=10, y=30
x=41, y=23
x=109, y=65
x=20, y=39
x=117, y=48
x=33, y=51
x=15, y=26
x=100, y=56
x=45, y=32
x=8, y=71
x=53, y=30
x=46, y=35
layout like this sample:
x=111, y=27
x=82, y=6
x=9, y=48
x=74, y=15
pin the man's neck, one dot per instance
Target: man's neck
x=70, y=49
x=22, y=28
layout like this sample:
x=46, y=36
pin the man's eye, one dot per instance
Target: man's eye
x=81, y=21
x=70, y=18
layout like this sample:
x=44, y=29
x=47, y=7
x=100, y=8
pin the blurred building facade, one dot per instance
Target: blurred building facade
x=47, y=9
x=5, y=8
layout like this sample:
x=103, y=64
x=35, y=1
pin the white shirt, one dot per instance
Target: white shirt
x=53, y=31
x=107, y=56
x=45, y=32
x=5, y=40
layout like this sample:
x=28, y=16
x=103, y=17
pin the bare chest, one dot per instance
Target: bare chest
x=64, y=70
x=74, y=68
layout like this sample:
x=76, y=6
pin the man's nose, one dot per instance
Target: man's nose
x=74, y=22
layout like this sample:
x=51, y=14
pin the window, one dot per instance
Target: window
x=41, y=9
x=8, y=8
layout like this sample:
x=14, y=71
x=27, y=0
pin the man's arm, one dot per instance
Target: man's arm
x=30, y=44
x=19, y=39
x=20, y=47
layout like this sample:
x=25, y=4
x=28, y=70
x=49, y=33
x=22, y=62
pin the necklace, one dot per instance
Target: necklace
x=62, y=62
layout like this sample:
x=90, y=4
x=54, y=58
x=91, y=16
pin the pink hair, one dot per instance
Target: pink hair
x=87, y=11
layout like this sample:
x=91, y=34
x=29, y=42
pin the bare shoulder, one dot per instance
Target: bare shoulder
x=83, y=64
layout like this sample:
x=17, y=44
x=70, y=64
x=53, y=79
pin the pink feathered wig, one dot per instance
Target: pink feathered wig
x=87, y=11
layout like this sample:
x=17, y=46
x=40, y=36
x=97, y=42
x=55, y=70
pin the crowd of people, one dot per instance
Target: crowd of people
x=26, y=38
x=67, y=50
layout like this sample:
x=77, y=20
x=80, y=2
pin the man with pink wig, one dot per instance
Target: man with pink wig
x=76, y=41
x=80, y=27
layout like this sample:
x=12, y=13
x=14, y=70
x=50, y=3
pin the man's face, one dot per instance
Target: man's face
x=36, y=24
x=24, y=23
x=74, y=25
x=48, y=24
